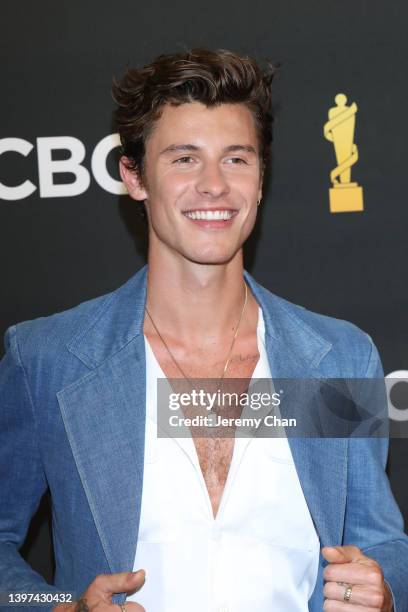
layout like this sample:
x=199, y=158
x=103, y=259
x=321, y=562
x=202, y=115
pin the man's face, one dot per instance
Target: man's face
x=202, y=181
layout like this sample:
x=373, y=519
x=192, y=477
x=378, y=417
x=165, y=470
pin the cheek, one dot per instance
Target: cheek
x=247, y=186
x=167, y=196
x=172, y=187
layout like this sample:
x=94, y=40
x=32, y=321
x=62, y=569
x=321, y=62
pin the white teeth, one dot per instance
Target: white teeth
x=210, y=215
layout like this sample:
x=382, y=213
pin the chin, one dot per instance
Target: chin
x=211, y=258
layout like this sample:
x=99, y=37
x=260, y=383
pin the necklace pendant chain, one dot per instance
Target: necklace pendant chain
x=229, y=352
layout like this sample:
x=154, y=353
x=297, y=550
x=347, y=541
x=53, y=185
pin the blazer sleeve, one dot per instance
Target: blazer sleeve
x=22, y=478
x=373, y=520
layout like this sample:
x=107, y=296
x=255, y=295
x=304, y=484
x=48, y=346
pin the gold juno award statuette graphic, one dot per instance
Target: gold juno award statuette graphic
x=345, y=196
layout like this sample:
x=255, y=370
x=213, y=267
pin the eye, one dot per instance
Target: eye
x=237, y=160
x=183, y=160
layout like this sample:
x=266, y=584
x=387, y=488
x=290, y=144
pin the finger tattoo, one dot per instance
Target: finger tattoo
x=82, y=606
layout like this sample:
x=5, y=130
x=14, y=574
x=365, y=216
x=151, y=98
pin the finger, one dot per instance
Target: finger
x=140, y=582
x=364, y=596
x=354, y=573
x=342, y=554
x=131, y=607
x=123, y=582
x=336, y=606
x=89, y=604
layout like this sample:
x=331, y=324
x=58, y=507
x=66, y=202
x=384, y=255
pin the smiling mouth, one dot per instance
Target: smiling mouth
x=210, y=215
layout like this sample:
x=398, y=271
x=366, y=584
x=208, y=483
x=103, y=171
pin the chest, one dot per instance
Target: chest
x=214, y=453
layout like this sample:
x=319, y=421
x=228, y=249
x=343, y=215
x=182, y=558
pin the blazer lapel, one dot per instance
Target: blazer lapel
x=104, y=418
x=295, y=352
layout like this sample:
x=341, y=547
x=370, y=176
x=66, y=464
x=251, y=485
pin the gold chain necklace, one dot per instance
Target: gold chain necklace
x=229, y=352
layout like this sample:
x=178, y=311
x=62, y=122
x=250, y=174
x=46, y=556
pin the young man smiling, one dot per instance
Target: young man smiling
x=218, y=523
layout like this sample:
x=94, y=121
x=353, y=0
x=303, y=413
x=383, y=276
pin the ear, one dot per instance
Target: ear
x=261, y=184
x=132, y=180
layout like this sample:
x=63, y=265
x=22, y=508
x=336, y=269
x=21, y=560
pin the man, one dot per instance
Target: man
x=221, y=523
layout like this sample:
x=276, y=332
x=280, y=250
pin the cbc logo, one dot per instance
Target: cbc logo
x=48, y=167
x=398, y=378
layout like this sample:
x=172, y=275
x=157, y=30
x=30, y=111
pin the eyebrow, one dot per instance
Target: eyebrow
x=190, y=147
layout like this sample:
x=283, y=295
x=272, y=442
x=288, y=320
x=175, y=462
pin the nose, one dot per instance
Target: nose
x=211, y=181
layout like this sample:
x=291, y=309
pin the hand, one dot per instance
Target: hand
x=99, y=593
x=348, y=565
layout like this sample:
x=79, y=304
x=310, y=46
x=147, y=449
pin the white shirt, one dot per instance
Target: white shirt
x=259, y=553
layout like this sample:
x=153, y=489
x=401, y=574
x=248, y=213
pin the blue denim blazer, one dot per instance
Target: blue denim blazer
x=72, y=397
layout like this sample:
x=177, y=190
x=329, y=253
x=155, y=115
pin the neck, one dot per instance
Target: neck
x=198, y=304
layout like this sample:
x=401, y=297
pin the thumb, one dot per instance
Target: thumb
x=137, y=580
x=342, y=554
x=123, y=582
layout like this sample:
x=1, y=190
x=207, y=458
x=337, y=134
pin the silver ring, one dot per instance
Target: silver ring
x=347, y=593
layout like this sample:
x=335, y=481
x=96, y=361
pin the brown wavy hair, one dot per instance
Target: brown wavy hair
x=202, y=75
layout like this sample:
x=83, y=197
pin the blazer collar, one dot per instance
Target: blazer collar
x=120, y=316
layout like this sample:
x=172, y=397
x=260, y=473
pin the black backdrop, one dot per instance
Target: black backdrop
x=57, y=64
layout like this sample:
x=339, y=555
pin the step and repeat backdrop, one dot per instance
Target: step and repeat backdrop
x=332, y=232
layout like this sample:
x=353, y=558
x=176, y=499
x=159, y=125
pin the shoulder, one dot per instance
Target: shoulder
x=104, y=315
x=87, y=333
x=352, y=348
x=348, y=351
x=49, y=334
x=334, y=330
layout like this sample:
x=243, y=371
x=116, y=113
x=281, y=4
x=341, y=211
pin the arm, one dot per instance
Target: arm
x=22, y=479
x=22, y=484
x=376, y=521
x=373, y=521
